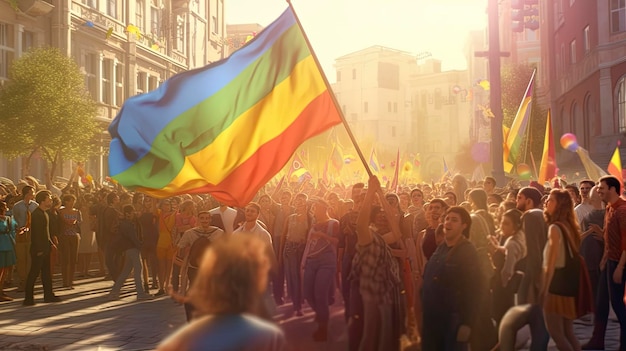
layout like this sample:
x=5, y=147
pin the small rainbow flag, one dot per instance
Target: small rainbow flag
x=615, y=166
x=547, y=169
x=226, y=128
x=374, y=162
x=515, y=137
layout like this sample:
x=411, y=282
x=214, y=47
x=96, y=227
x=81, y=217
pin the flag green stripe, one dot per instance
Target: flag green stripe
x=178, y=140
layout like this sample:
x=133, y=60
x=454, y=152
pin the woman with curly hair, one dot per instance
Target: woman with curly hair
x=561, y=269
x=228, y=292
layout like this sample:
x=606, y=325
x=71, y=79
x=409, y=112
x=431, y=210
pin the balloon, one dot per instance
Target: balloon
x=569, y=142
x=523, y=171
x=382, y=166
x=480, y=152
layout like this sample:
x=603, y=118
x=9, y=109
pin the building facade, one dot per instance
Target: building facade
x=372, y=90
x=584, y=51
x=441, y=116
x=123, y=48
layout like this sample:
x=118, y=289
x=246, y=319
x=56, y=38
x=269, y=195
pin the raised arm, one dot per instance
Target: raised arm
x=364, y=236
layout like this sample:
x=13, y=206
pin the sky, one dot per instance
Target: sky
x=339, y=27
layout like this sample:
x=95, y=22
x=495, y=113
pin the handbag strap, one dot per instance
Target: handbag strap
x=565, y=233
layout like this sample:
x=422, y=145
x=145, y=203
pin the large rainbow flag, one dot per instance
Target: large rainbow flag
x=226, y=128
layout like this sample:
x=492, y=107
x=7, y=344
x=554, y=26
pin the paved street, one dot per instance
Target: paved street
x=86, y=320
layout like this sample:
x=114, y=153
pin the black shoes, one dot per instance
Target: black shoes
x=28, y=303
x=52, y=299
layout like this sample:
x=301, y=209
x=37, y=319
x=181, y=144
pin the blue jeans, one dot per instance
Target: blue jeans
x=608, y=291
x=319, y=274
x=133, y=261
x=292, y=256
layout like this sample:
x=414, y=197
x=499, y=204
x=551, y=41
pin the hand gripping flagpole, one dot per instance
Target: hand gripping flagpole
x=395, y=225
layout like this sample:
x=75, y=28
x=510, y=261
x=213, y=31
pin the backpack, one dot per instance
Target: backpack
x=197, y=250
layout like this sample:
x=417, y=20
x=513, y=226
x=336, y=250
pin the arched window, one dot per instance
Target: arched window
x=578, y=125
x=589, y=129
x=621, y=106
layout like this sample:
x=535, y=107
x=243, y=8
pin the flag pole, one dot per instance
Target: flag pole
x=332, y=94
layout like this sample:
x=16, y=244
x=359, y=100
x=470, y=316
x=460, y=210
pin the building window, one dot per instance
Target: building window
x=365, y=107
x=586, y=40
x=559, y=17
x=572, y=51
x=119, y=85
x=339, y=76
x=155, y=18
x=91, y=70
x=621, y=106
x=216, y=27
x=152, y=83
x=91, y=3
x=7, y=49
x=139, y=17
x=618, y=16
x=354, y=73
x=107, y=77
x=141, y=82
x=588, y=129
x=180, y=33
x=395, y=107
x=112, y=8
x=28, y=40
x=389, y=106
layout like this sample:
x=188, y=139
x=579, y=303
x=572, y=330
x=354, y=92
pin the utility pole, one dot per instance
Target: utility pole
x=495, y=93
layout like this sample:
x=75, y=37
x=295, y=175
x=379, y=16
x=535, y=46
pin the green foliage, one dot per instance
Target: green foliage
x=515, y=80
x=44, y=107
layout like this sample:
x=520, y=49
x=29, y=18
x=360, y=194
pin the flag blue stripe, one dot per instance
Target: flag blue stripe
x=143, y=117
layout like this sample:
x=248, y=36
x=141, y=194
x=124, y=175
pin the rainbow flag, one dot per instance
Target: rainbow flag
x=547, y=169
x=226, y=128
x=615, y=166
x=394, y=182
x=374, y=162
x=515, y=136
x=336, y=157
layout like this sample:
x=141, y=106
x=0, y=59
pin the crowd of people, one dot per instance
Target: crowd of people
x=456, y=265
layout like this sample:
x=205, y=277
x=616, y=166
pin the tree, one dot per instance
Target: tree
x=515, y=80
x=44, y=108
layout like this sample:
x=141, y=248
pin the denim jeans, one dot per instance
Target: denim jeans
x=319, y=274
x=133, y=261
x=292, y=256
x=607, y=292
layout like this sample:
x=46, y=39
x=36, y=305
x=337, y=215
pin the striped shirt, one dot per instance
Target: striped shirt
x=615, y=230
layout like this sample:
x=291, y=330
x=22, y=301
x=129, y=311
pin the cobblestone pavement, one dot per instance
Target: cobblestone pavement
x=87, y=320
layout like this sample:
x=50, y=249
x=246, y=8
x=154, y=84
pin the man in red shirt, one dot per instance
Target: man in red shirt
x=612, y=278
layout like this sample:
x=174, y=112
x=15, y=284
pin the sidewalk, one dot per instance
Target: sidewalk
x=87, y=320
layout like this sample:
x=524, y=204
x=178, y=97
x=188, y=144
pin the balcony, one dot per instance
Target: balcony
x=35, y=8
